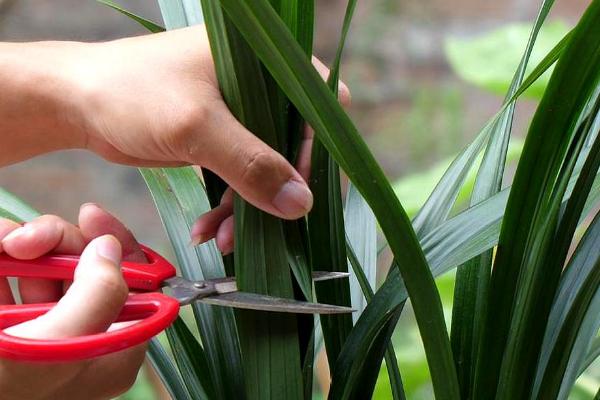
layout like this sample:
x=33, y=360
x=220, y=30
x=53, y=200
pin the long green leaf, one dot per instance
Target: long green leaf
x=584, y=349
x=557, y=364
x=452, y=243
x=286, y=61
x=151, y=26
x=180, y=13
x=12, y=207
x=531, y=216
x=441, y=200
x=570, y=216
x=591, y=356
x=326, y=224
x=549, y=60
x=363, y=351
x=270, y=342
x=167, y=371
x=477, y=229
x=472, y=278
x=370, y=368
x=299, y=17
x=191, y=360
x=361, y=230
x=180, y=198
x=364, y=382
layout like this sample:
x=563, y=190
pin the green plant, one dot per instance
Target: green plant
x=524, y=319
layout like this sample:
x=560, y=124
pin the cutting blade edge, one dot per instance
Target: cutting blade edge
x=254, y=301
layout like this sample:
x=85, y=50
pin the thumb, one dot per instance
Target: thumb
x=93, y=301
x=254, y=170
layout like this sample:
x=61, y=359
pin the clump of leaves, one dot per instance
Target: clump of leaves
x=525, y=317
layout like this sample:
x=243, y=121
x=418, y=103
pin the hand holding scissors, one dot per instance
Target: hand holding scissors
x=153, y=311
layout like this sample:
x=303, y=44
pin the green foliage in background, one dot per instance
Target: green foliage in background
x=478, y=61
x=413, y=189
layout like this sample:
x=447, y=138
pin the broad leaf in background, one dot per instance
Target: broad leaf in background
x=479, y=61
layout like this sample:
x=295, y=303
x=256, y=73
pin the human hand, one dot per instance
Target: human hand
x=90, y=305
x=151, y=100
x=154, y=100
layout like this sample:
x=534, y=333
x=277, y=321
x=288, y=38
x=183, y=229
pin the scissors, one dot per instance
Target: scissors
x=153, y=311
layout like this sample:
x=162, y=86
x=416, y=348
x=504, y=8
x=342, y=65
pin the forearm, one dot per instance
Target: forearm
x=37, y=105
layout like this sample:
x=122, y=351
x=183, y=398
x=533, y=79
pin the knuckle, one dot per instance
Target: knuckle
x=185, y=130
x=258, y=164
x=344, y=95
x=49, y=219
x=110, y=281
x=7, y=225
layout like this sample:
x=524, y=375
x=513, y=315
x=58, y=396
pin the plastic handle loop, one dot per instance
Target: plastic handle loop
x=154, y=311
x=147, y=277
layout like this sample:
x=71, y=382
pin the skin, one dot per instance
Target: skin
x=145, y=101
x=90, y=305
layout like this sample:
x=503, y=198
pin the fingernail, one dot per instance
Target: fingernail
x=344, y=94
x=294, y=199
x=18, y=233
x=108, y=247
x=225, y=248
x=85, y=205
x=196, y=241
x=197, y=236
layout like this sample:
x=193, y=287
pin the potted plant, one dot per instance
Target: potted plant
x=525, y=314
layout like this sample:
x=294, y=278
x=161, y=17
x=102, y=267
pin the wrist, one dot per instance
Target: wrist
x=38, y=109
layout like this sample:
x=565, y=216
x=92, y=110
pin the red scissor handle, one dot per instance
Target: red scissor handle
x=138, y=276
x=154, y=311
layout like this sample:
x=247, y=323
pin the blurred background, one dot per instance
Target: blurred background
x=425, y=76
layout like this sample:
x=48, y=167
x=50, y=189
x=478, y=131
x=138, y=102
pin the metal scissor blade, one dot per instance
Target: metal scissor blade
x=318, y=276
x=228, y=284
x=253, y=301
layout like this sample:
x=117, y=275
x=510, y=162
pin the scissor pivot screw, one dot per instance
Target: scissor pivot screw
x=200, y=285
